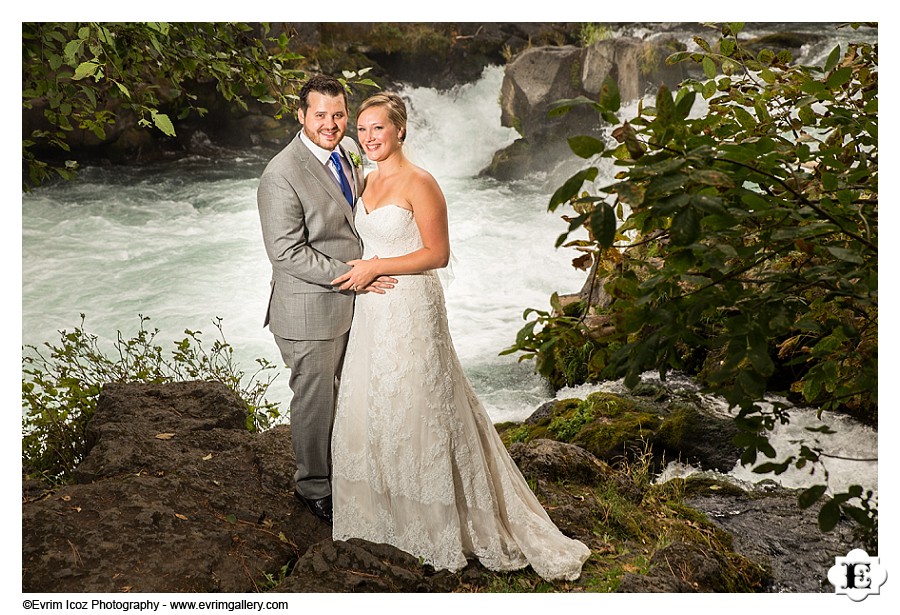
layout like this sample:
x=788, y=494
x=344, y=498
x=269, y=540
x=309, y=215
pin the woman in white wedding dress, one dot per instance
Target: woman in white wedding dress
x=416, y=460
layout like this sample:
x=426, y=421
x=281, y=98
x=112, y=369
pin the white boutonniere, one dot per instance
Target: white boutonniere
x=355, y=159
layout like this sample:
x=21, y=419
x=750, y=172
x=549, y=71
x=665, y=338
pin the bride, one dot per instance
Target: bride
x=416, y=460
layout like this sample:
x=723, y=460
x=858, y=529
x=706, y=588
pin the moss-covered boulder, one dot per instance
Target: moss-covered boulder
x=698, y=437
x=619, y=428
x=610, y=426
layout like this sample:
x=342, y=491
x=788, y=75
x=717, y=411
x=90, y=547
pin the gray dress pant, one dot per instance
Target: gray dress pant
x=315, y=373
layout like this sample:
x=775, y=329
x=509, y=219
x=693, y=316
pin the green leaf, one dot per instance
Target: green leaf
x=162, y=121
x=709, y=177
x=727, y=46
x=585, y=146
x=684, y=102
x=685, y=227
x=839, y=77
x=55, y=61
x=678, y=56
x=629, y=192
x=709, y=68
x=563, y=106
x=829, y=515
x=610, y=98
x=603, y=224
x=811, y=495
x=570, y=189
x=758, y=353
x=833, y=58
x=744, y=118
x=72, y=50
x=844, y=254
x=123, y=89
x=665, y=106
x=666, y=184
x=86, y=69
x=772, y=467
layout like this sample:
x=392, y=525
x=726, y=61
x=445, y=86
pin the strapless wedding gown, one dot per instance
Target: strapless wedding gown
x=417, y=462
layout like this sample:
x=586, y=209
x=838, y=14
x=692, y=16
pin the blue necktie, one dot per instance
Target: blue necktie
x=345, y=185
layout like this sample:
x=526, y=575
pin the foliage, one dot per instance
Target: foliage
x=748, y=233
x=591, y=33
x=433, y=38
x=84, y=77
x=60, y=388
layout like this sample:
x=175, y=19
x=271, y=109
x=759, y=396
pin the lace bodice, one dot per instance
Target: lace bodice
x=388, y=230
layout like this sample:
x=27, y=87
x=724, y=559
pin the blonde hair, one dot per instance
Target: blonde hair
x=396, y=109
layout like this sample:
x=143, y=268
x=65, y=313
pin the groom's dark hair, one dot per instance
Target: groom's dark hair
x=323, y=84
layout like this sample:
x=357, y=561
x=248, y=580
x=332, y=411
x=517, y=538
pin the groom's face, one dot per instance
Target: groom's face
x=325, y=119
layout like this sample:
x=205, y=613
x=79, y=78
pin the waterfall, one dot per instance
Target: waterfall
x=181, y=243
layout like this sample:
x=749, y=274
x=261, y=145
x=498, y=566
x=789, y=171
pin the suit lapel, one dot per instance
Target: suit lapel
x=323, y=176
x=356, y=174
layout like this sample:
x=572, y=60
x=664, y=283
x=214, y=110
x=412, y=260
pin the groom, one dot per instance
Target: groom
x=305, y=199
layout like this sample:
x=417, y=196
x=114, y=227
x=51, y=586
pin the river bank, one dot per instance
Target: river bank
x=171, y=468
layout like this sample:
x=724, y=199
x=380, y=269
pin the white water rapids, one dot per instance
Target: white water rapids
x=181, y=243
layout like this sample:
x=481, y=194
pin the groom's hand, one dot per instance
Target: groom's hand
x=380, y=285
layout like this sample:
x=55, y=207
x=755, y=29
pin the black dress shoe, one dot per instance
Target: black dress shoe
x=320, y=508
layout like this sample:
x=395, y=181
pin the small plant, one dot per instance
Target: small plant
x=592, y=33
x=61, y=385
x=272, y=581
x=567, y=427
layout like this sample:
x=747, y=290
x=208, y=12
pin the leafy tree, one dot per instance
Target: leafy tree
x=747, y=249
x=85, y=76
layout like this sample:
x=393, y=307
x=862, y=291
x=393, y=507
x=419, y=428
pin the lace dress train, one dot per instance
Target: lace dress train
x=417, y=462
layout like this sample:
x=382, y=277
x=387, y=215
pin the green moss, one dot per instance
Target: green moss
x=610, y=439
x=673, y=429
x=591, y=33
x=518, y=434
x=566, y=426
x=575, y=76
x=702, y=485
x=650, y=61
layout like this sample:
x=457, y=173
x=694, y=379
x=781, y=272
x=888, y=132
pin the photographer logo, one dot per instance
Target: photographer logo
x=857, y=575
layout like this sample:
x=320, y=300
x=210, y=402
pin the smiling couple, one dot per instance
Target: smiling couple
x=391, y=443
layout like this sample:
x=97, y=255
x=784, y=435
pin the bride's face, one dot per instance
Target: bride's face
x=377, y=134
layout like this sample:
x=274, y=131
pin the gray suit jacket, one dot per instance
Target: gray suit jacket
x=309, y=235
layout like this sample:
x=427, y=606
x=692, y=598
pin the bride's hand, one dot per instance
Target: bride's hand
x=362, y=275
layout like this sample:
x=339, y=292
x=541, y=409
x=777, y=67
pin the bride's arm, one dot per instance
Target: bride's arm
x=430, y=212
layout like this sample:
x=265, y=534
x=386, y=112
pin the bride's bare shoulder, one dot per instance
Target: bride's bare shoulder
x=423, y=179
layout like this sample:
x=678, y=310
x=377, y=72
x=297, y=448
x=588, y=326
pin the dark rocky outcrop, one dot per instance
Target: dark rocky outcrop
x=768, y=529
x=175, y=495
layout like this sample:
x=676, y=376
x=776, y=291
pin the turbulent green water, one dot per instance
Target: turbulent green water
x=181, y=243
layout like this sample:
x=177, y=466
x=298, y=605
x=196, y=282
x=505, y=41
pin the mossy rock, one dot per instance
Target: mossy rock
x=698, y=437
x=607, y=425
x=622, y=438
x=700, y=484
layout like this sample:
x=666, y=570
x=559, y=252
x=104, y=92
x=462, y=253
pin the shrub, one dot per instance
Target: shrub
x=61, y=385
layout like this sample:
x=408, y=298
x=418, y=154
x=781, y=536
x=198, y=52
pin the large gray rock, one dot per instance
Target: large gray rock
x=540, y=76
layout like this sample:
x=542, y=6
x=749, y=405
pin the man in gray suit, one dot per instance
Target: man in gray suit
x=306, y=199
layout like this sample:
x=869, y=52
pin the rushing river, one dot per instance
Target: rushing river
x=181, y=244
